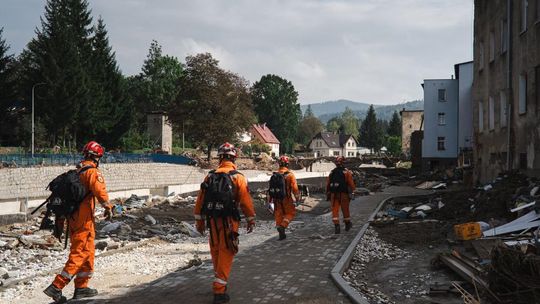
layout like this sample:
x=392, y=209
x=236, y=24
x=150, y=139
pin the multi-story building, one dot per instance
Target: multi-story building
x=411, y=120
x=447, y=118
x=332, y=144
x=506, y=98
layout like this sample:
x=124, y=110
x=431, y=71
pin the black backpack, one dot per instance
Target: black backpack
x=338, y=184
x=219, y=196
x=278, y=186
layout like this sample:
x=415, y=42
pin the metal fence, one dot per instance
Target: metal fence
x=26, y=160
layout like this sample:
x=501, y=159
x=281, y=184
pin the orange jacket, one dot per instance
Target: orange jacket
x=348, y=179
x=242, y=196
x=292, y=186
x=93, y=181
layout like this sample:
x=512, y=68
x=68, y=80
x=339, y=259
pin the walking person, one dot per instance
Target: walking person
x=223, y=192
x=81, y=227
x=339, y=191
x=283, y=192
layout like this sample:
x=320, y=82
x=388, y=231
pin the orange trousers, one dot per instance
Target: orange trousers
x=284, y=213
x=222, y=250
x=80, y=263
x=340, y=200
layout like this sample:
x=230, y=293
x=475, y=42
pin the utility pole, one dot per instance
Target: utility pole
x=33, y=126
x=183, y=138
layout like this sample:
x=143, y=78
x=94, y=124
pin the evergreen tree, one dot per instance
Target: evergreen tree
x=112, y=108
x=60, y=58
x=394, y=128
x=370, y=134
x=8, y=114
x=276, y=103
x=309, y=112
x=350, y=123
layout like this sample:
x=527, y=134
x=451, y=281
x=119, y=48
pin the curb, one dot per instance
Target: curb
x=345, y=260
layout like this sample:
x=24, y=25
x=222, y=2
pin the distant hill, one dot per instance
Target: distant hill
x=329, y=109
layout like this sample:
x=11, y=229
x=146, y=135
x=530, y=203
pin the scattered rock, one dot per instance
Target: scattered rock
x=150, y=219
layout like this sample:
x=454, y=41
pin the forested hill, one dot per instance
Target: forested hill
x=329, y=109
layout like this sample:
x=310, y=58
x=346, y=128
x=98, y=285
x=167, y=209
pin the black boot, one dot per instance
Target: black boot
x=348, y=226
x=281, y=231
x=221, y=298
x=84, y=293
x=337, y=229
x=55, y=294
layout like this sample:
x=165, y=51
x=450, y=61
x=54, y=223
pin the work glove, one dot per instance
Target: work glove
x=250, y=226
x=200, y=226
x=108, y=213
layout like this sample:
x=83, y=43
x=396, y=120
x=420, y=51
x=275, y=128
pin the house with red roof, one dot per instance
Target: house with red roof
x=263, y=133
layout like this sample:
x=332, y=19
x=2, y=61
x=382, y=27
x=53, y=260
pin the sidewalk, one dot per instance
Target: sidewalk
x=296, y=270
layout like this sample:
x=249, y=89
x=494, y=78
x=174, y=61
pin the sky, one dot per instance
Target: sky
x=374, y=51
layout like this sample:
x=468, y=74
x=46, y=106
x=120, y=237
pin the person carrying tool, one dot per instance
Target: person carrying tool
x=217, y=208
x=81, y=227
x=340, y=191
x=282, y=188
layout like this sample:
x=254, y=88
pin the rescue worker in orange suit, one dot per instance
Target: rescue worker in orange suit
x=223, y=226
x=81, y=224
x=285, y=209
x=339, y=190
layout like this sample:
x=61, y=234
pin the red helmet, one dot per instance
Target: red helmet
x=227, y=149
x=340, y=160
x=93, y=148
x=284, y=160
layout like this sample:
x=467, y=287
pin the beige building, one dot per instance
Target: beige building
x=411, y=120
x=331, y=144
x=160, y=131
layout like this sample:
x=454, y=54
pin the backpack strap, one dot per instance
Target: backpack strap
x=84, y=169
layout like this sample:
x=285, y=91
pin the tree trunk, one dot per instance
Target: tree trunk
x=209, y=152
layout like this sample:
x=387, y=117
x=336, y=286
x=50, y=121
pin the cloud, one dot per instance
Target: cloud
x=376, y=51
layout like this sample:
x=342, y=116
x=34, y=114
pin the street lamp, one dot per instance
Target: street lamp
x=33, y=87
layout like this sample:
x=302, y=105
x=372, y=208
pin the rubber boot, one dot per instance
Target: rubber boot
x=282, y=234
x=348, y=226
x=337, y=229
x=220, y=298
x=84, y=293
x=55, y=293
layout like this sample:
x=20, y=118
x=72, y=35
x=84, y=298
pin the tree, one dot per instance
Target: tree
x=309, y=126
x=9, y=113
x=112, y=108
x=157, y=86
x=350, y=123
x=276, y=102
x=393, y=144
x=309, y=112
x=213, y=105
x=370, y=134
x=394, y=128
x=335, y=124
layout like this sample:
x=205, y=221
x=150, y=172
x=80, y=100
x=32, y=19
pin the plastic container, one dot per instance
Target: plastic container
x=468, y=231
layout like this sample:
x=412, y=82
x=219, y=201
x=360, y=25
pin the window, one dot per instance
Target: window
x=481, y=56
x=503, y=110
x=336, y=153
x=442, y=95
x=491, y=47
x=480, y=116
x=442, y=120
x=524, y=8
x=504, y=36
x=440, y=143
x=491, y=113
x=350, y=154
x=522, y=109
x=410, y=126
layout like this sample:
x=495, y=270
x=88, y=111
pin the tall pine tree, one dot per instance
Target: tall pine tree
x=370, y=135
x=8, y=113
x=394, y=128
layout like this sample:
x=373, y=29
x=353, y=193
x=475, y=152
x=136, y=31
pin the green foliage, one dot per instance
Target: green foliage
x=9, y=114
x=394, y=127
x=309, y=112
x=350, y=123
x=393, y=144
x=259, y=147
x=335, y=125
x=370, y=133
x=276, y=103
x=309, y=127
x=214, y=105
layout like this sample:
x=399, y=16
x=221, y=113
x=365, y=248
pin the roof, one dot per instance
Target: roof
x=334, y=140
x=265, y=133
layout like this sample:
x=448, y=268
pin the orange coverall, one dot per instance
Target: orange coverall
x=285, y=210
x=341, y=199
x=82, y=231
x=222, y=255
